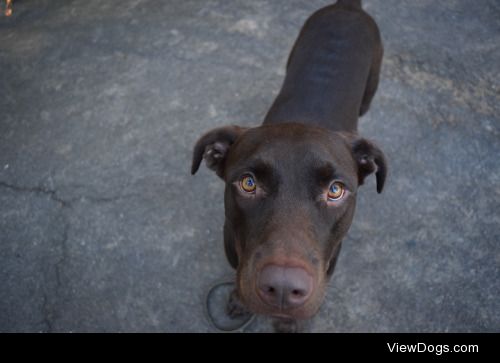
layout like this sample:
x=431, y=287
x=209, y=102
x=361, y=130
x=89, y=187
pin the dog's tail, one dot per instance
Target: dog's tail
x=356, y=4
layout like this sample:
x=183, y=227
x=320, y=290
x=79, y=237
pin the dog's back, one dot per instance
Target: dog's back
x=332, y=71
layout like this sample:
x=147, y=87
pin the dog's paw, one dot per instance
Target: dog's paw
x=235, y=308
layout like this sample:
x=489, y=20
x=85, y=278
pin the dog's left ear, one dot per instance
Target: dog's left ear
x=214, y=146
x=369, y=159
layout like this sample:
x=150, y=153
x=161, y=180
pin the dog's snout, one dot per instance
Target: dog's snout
x=284, y=287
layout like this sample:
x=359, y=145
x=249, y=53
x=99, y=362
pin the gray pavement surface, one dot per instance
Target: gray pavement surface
x=103, y=229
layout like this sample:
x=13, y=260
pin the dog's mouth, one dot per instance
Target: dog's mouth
x=283, y=316
x=300, y=313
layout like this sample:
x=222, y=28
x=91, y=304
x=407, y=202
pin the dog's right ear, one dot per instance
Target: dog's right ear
x=214, y=146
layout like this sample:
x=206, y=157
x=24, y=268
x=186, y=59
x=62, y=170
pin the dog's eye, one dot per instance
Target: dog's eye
x=336, y=191
x=247, y=184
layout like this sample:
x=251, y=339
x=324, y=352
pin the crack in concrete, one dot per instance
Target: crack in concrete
x=48, y=310
x=47, y=314
x=63, y=202
x=36, y=190
x=50, y=314
x=480, y=96
x=64, y=254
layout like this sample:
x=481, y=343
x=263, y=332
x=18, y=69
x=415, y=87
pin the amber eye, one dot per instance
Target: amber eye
x=336, y=191
x=247, y=184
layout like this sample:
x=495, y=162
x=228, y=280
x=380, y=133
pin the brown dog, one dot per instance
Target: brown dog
x=291, y=183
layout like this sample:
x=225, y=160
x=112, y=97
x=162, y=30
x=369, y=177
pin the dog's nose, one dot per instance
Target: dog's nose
x=284, y=287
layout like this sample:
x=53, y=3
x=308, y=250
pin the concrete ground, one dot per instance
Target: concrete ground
x=103, y=229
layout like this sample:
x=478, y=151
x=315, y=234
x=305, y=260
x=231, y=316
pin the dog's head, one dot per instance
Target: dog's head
x=289, y=200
